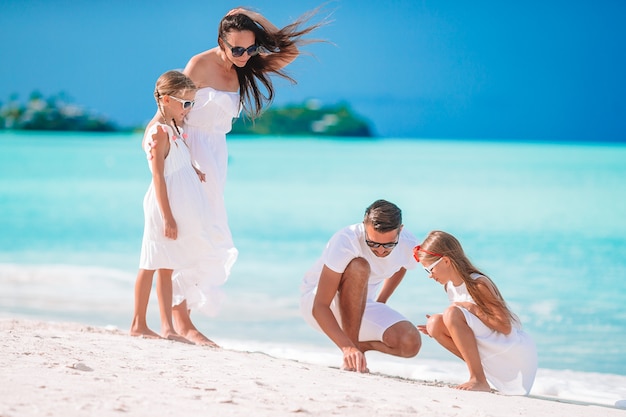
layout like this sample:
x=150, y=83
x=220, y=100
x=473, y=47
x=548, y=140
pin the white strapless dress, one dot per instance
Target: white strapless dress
x=206, y=126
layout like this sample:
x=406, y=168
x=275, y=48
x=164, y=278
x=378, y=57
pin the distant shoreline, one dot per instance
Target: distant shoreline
x=234, y=136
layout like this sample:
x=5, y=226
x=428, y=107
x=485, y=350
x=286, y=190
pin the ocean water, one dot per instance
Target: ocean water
x=546, y=221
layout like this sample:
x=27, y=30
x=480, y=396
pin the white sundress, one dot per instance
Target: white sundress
x=509, y=361
x=206, y=126
x=191, y=210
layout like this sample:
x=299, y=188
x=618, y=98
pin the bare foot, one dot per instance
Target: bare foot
x=143, y=332
x=473, y=385
x=194, y=336
x=176, y=337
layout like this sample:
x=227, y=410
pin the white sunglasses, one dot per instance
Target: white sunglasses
x=187, y=104
x=429, y=269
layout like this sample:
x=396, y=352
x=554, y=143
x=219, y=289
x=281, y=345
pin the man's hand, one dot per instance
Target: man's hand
x=354, y=360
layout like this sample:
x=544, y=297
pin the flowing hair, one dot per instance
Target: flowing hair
x=444, y=244
x=275, y=48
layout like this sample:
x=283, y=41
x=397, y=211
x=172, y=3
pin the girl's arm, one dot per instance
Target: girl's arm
x=158, y=153
x=497, y=319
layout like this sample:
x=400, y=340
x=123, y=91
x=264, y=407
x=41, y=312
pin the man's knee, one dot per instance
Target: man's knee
x=359, y=267
x=356, y=275
x=405, y=337
x=411, y=343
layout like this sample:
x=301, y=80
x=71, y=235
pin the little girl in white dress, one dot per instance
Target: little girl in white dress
x=478, y=327
x=176, y=208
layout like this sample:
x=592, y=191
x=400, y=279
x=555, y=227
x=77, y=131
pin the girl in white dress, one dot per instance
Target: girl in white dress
x=250, y=49
x=176, y=210
x=478, y=327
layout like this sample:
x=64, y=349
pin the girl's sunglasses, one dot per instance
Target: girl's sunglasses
x=429, y=270
x=187, y=104
x=238, y=51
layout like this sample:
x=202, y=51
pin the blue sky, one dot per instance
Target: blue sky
x=538, y=70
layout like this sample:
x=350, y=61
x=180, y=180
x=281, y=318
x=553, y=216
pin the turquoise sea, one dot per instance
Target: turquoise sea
x=547, y=221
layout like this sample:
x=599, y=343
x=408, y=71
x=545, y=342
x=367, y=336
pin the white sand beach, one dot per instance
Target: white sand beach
x=67, y=369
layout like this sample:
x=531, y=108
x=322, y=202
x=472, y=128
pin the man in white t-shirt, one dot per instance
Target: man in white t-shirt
x=340, y=293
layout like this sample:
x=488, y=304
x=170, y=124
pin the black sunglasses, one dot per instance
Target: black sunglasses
x=238, y=51
x=375, y=245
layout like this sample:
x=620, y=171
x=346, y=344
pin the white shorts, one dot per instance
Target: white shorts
x=377, y=318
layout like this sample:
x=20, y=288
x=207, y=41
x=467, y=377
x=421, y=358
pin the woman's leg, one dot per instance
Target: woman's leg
x=185, y=327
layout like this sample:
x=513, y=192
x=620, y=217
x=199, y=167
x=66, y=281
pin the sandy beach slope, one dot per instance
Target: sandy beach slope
x=66, y=369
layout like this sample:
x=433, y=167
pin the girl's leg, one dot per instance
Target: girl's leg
x=164, y=293
x=465, y=341
x=184, y=326
x=438, y=331
x=143, y=286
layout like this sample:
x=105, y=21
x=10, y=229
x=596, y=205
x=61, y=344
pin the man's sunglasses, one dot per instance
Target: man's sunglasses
x=375, y=245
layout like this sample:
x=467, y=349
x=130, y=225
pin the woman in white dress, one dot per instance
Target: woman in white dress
x=250, y=49
x=478, y=327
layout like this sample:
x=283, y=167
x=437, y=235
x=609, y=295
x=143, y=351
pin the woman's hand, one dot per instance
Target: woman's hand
x=201, y=174
x=240, y=10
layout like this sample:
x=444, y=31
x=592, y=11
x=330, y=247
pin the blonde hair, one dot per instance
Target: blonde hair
x=438, y=244
x=172, y=83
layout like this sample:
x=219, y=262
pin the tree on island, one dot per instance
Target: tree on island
x=310, y=119
x=54, y=113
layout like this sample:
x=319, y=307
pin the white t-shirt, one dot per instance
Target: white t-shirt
x=349, y=243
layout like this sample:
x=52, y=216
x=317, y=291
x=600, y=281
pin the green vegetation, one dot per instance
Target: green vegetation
x=308, y=119
x=53, y=113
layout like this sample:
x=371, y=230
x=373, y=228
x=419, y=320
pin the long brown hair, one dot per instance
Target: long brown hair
x=280, y=45
x=444, y=244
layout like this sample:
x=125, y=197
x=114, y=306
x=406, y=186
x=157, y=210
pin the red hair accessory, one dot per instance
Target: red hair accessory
x=418, y=248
